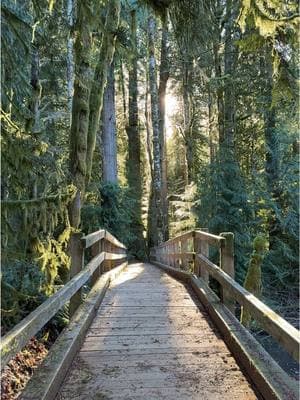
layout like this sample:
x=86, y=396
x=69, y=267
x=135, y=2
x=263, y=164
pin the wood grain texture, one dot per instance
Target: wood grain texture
x=151, y=340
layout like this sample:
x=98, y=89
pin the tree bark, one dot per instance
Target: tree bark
x=106, y=54
x=163, y=80
x=220, y=92
x=230, y=58
x=155, y=236
x=187, y=92
x=80, y=108
x=70, y=58
x=109, y=130
x=272, y=150
x=132, y=129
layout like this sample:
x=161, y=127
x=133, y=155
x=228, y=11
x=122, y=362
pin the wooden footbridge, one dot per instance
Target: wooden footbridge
x=155, y=331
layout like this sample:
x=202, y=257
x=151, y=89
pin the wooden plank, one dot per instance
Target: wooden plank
x=92, y=238
x=185, y=235
x=18, y=337
x=204, y=249
x=185, y=353
x=110, y=238
x=149, y=303
x=212, y=240
x=150, y=312
x=113, y=377
x=133, y=323
x=227, y=265
x=182, y=275
x=169, y=391
x=272, y=381
x=161, y=331
x=112, y=256
x=276, y=326
x=76, y=252
x=188, y=356
x=47, y=379
x=96, y=249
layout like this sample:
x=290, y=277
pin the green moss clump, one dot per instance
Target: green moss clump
x=253, y=278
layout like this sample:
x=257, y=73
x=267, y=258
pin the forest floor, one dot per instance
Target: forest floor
x=19, y=370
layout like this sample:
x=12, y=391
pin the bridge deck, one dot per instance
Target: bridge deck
x=152, y=340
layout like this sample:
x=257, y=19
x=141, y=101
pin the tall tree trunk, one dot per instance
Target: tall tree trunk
x=272, y=150
x=109, y=130
x=187, y=91
x=155, y=236
x=132, y=129
x=70, y=59
x=230, y=58
x=80, y=108
x=220, y=92
x=163, y=80
x=122, y=83
x=134, y=177
x=106, y=54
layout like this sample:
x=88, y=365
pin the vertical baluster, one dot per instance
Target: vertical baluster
x=76, y=252
x=227, y=265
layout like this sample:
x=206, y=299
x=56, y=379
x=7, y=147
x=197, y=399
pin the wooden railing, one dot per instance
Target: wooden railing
x=189, y=252
x=106, y=251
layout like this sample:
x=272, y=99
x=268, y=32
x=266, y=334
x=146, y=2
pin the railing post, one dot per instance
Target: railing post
x=108, y=263
x=76, y=252
x=95, y=250
x=184, y=257
x=202, y=247
x=227, y=265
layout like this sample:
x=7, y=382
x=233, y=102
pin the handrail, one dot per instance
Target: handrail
x=174, y=253
x=271, y=322
x=92, y=238
x=19, y=336
x=213, y=240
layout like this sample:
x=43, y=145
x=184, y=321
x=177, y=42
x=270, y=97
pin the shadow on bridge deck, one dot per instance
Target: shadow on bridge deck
x=152, y=340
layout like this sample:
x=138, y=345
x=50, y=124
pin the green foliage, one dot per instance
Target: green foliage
x=110, y=208
x=183, y=217
x=224, y=206
x=22, y=291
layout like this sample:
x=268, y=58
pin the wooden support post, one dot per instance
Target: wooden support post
x=108, y=263
x=95, y=250
x=184, y=256
x=227, y=265
x=76, y=252
x=201, y=247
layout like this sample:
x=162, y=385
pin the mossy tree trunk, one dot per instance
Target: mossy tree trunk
x=155, y=235
x=70, y=58
x=187, y=94
x=272, y=164
x=80, y=106
x=134, y=176
x=109, y=130
x=105, y=59
x=253, y=281
x=163, y=80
